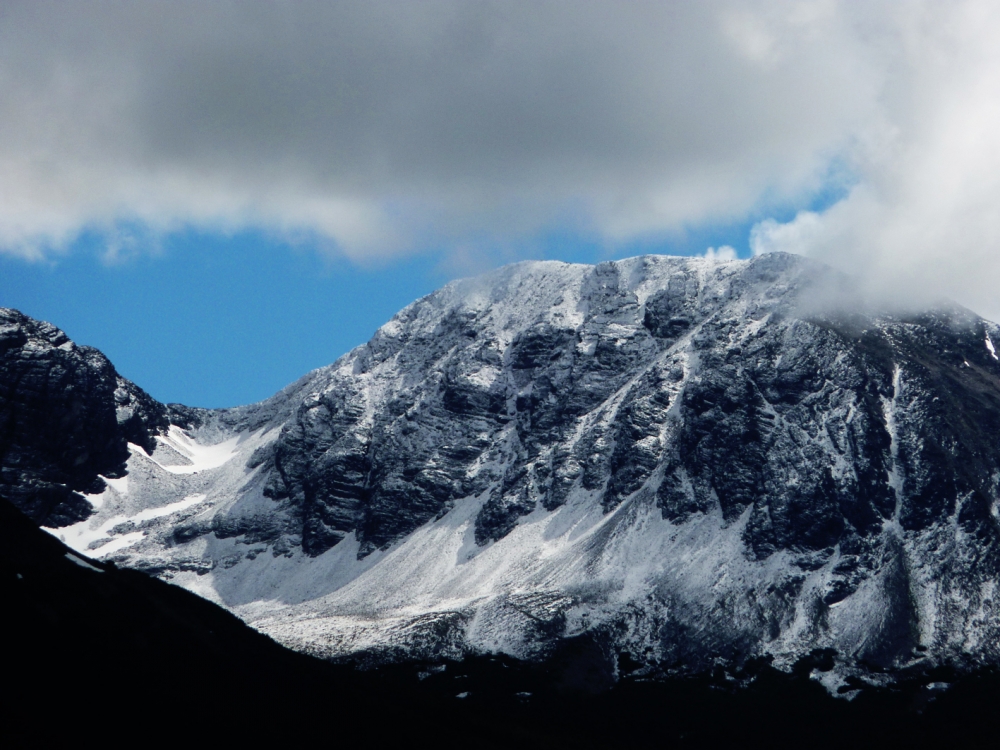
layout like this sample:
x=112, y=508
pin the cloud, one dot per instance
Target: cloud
x=723, y=253
x=379, y=127
x=923, y=220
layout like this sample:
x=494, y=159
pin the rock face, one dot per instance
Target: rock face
x=680, y=459
x=790, y=419
x=66, y=417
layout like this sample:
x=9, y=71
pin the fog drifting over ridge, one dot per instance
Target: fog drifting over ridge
x=381, y=128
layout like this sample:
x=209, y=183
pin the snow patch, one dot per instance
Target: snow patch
x=166, y=510
x=82, y=563
x=202, y=457
x=84, y=535
x=119, y=543
x=119, y=485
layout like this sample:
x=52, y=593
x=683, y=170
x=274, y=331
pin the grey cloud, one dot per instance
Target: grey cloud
x=378, y=126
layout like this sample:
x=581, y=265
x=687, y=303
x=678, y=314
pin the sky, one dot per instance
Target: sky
x=223, y=195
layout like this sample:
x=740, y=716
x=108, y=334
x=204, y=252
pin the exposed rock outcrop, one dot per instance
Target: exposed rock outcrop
x=66, y=418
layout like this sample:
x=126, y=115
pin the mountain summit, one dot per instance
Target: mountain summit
x=682, y=462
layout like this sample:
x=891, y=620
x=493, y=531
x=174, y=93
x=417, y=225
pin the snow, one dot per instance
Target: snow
x=895, y=476
x=431, y=574
x=118, y=543
x=84, y=535
x=202, y=457
x=119, y=485
x=82, y=563
x=833, y=682
x=151, y=513
x=989, y=345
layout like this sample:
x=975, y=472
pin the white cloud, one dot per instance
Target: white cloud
x=924, y=219
x=383, y=126
x=723, y=253
x=377, y=128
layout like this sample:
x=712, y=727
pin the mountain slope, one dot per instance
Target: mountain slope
x=680, y=460
x=90, y=648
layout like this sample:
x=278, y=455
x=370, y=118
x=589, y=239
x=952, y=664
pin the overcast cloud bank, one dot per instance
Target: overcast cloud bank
x=380, y=128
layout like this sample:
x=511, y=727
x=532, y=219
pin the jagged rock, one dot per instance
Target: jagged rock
x=66, y=417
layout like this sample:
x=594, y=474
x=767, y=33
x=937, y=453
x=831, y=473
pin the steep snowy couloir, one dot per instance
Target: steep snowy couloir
x=682, y=460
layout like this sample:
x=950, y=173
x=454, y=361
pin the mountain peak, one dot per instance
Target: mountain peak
x=678, y=458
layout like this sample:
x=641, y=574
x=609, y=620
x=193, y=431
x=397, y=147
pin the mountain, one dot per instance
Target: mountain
x=66, y=418
x=685, y=464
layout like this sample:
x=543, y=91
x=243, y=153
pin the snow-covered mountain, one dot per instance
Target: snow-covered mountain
x=684, y=461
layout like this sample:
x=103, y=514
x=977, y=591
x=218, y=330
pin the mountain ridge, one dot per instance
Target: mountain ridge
x=686, y=460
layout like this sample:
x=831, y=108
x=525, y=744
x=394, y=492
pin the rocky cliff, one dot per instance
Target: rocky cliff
x=66, y=417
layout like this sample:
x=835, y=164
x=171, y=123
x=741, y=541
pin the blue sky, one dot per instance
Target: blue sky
x=214, y=321
x=222, y=196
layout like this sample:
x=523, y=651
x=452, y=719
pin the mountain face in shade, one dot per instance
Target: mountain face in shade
x=684, y=461
x=66, y=417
